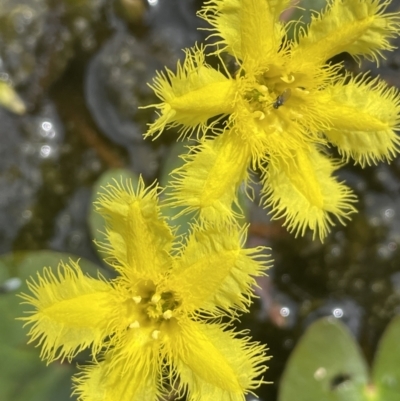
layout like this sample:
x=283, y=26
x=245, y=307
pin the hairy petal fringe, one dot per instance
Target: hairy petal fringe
x=210, y=178
x=191, y=97
x=229, y=369
x=303, y=191
x=72, y=312
x=365, y=118
x=360, y=28
x=230, y=285
x=138, y=239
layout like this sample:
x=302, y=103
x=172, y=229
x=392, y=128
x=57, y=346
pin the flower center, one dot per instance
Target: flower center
x=152, y=309
x=265, y=96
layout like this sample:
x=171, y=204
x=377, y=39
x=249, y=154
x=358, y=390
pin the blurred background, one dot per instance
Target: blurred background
x=72, y=76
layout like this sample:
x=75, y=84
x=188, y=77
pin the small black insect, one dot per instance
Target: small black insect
x=338, y=380
x=282, y=98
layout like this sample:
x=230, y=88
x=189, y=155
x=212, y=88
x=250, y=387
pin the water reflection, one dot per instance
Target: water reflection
x=320, y=373
x=285, y=312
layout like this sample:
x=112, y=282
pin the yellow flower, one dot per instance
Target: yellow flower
x=282, y=109
x=155, y=329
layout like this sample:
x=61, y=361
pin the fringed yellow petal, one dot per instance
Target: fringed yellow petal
x=363, y=104
x=73, y=312
x=303, y=191
x=365, y=147
x=138, y=380
x=190, y=97
x=209, y=180
x=214, y=364
x=360, y=28
x=224, y=17
x=215, y=272
x=364, y=115
x=260, y=29
x=246, y=26
x=138, y=238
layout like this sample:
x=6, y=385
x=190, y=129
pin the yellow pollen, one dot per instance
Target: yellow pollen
x=134, y=325
x=167, y=314
x=137, y=299
x=263, y=88
x=155, y=298
x=155, y=334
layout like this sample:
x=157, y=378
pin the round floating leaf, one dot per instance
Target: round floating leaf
x=96, y=221
x=386, y=369
x=326, y=365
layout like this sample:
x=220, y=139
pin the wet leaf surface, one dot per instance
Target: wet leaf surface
x=326, y=364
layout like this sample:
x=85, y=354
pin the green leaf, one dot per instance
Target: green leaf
x=386, y=369
x=95, y=220
x=326, y=365
x=23, y=376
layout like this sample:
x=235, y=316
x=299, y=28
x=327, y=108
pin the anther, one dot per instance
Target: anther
x=167, y=314
x=137, y=299
x=155, y=298
x=259, y=115
x=155, y=334
x=134, y=325
x=288, y=78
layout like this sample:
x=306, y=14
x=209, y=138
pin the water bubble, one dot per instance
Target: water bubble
x=76, y=239
x=45, y=151
x=285, y=312
x=384, y=251
x=47, y=129
x=11, y=284
x=389, y=213
x=338, y=313
x=336, y=251
x=374, y=221
x=26, y=214
x=4, y=76
x=47, y=126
